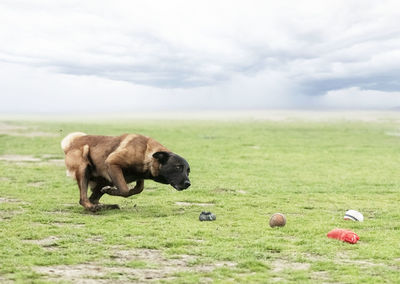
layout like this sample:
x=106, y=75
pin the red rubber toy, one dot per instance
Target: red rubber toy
x=343, y=235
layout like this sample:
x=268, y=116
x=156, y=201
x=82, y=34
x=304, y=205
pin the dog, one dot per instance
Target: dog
x=107, y=164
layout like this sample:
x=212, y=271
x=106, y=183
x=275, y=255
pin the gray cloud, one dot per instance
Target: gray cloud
x=186, y=54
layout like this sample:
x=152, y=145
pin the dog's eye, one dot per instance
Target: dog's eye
x=179, y=167
x=188, y=171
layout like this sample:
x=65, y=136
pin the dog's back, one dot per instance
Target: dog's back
x=67, y=141
x=82, y=150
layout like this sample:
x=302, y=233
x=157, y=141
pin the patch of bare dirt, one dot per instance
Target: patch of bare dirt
x=314, y=257
x=17, y=130
x=193, y=204
x=36, y=184
x=88, y=274
x=228, y=190
x=10, y=127
x=65, y=224
x=280, y=265
x=33, y=134
x=155, y=257
x=19, y=158
x=263, y=115
x=392, y=133
x=44, y=160
x=56, y=162
x=255, y=147
x=4, y=280
x=345, y=258
x=156, y=268
x=8, y=200
x=49, y=243
x=7, y=215
x=95, y=239
x=321, y=276
x=52, y=159
x=277, y=279
x=361, y=263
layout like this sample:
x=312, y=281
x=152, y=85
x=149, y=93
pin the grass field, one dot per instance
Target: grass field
x=241, y=170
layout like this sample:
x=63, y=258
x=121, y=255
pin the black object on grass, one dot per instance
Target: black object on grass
x=207, y=216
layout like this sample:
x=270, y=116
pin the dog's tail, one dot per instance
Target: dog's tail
x=66, y=142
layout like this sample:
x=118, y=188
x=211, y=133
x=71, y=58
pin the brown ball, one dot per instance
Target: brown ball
x=277, y=220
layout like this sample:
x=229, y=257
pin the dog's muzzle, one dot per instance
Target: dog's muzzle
x=182, y=186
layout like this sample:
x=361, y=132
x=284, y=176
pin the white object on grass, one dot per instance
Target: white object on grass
x=353, y=215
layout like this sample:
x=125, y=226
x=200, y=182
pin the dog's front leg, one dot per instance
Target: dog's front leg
x=121, y=188
x=112, y=190
x=83, y=181
x=97, y=194
x=117, y=178
x=138, y=187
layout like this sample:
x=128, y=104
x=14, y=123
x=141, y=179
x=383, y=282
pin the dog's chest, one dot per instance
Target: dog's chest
x=134, y=173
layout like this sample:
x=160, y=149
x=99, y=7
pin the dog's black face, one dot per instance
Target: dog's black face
x=174, y=170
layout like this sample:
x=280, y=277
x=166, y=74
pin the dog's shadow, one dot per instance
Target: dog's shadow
x=144, y=211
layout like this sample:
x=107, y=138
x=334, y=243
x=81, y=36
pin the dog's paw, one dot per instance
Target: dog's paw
x=100, y=207
x=94, y=208
x=109, y=189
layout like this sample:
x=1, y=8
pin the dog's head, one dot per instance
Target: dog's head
x=174, y=170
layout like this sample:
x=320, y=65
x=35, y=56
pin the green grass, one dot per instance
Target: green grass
x=247, y=170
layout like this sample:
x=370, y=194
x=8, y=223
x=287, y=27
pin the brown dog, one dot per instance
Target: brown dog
x=107, y=164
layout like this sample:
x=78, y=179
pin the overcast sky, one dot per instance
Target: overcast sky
x=62, y=56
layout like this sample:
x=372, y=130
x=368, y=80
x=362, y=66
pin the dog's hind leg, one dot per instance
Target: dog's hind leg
x=78, y=167
x=83, y=182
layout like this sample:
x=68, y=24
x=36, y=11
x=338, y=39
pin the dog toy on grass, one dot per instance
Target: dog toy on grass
x=277, y=220
x=343, y=235
x=207, y=216
x=353, y=215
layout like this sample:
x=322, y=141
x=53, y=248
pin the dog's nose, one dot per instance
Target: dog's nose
x=186, y=184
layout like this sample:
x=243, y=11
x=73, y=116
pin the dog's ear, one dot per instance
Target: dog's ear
x=162, y=157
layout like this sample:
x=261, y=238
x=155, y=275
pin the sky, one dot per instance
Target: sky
x=121, y=56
